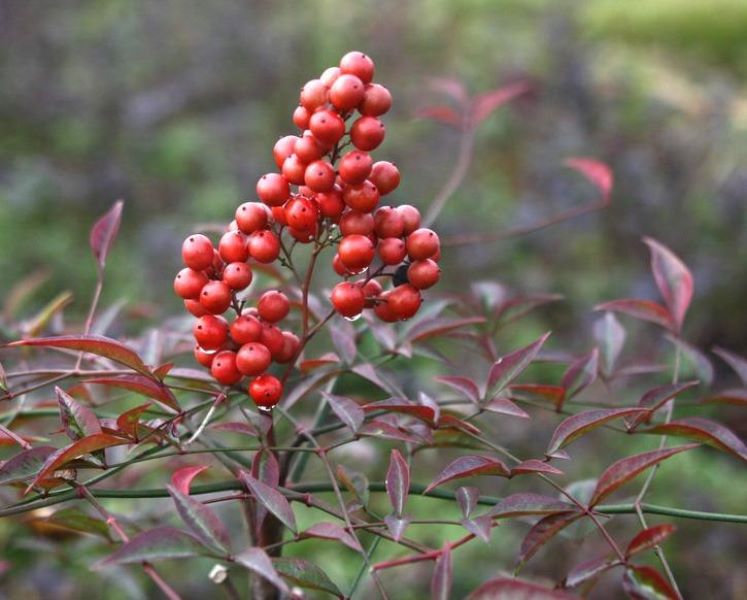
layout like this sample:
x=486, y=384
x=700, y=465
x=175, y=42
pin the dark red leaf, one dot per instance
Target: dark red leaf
x=161, y=371
x=589, y=569
x=128, y=421
x=542, y=532
x=258, y=562
x=271, y=499
x=645, y=310
x=736, y=397
x=381, y=429
x=343, y=338
x=347, y=411
x=467, y=499
x=311, y=364
x=405, y=407
x=552, y=393
x=706, y=431
x=470, y=466
x=396, y=526
x=156, y=544
x=77, y=420
x=430, y=328
x=379, y=377
x=443, y=574
x=266, y=468
x=444, y=114
x=182, y=478
x=736, y=362
x=465, y=386
x=104, y=232
x=674, y=280
x=596, y=172
x=484, y=104
x=95, y=344
x=398, y=482
x=237, y=427
x=145, y=386
x=25, y=464
x=518, y=505
x=517, y=307
x=610, y=335
x=505, y=588
x=504, y=406
x=579, y=424
x=332, y=531
x=480, y=526
x=201, y=519
x=642, y=582
x=580, y=374
x=649, y=538
x=509, y=367
x=449, y=421
x=306, y=385
x=305, y=574
x=534, y=466
x=428, y=402
x=655, y=398
x=625, y=469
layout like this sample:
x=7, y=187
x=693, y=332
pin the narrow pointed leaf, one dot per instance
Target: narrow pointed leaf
x=347, y=411
x=25, y=464
x=396, y=526
x=642, y=582
x=588, y=569
x=470, y=466
x=271, y=499
x=95, y=344
x=237, y=427
x=596, y=172
x=398, y=482
x=266, y=468
x=443, y=575
x=517, y=589
x=156, y=544
x=580, y=374
x=533, y=465
x=610, y=335
x=73, y=519
x=625, y=469
x=378, y=377
x=332, y=531
x=104, y=232
x=258, y=562
x=694, y=360
x=644, y=310
x=649, y=538
x=145, y=386
x=128, y=421
x=77, y=420
x=480, y=526
x=467, y=499
x=378, y=428
x=706, y=431
x=343, y=338
x=736, y=362
x=554, y=394
x=444, y=114
x=655, y=398
x=201, y=519
x=519, y=505
x=542, y=532
x=405, y=407
x=579, y=424
x=504, y=406
x=305, y=574
x=440, y=327
x=181, y=479
x=735, y=397
x=465, y=386
x=484, y=104
x=674, y=280
x=509, y=367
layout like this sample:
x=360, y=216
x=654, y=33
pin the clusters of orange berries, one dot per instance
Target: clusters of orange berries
x=321, y=194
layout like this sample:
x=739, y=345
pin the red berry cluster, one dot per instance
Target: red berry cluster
x=322, y=195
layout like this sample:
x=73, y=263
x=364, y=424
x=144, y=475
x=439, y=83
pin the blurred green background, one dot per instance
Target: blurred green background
x=174, y=106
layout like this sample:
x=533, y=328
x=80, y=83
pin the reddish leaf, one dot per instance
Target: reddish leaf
x=645, y=310
x=444, y=114
x=625, y=469
x=515, y=308
x=129, y=421
x=706, y=431
x=699, y=363
x=467, y=499
x=542, y=532
x=736, y=397
x=237, y=427
x=642, y=582
x=347, y=411
x=552, y=393
x=449, y=421
x=381, y=429
x=398, y=482
x=396, y=526
x=397, y=405
x=386, y=382
x=484, y=104
x=649, y=538
x=428, y=402
x=86, y=445
x=580, y=374
x=25, y=464
x=588, y=569
x=201, y=519
x=104, y=232
x=443, y=574
x=534, y=466
x=674, y=280
x=271, y=499
x=343, y=338
x=182, y=478
x=470, y=466
x=596, y=172
x=95, y=344
x=504, y=406
x=509, y=367
x=305, y=574
x=156, y=544
x=610, y=335
x=10, y=437
x=73, y=519
x=332, y=531
x=306, y=385
x=145, y=386
x=480, y=526
x=77, y=420
x=311, y=364
x=356, y=483
x=161, y=371
x=465, y=386
x=266, y=468
x=655, y=398
x=517, y=589
x=449, y=86
x=259, y=563
x=430, y=328
x=736, y=362
x=518, y=505
x=579, y=424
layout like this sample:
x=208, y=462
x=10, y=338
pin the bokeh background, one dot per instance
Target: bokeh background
x=174, y=106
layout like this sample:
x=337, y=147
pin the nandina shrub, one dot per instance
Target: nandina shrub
x=273, y=422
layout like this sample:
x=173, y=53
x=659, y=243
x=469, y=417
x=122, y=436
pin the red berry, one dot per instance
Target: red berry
x=266, y=391
x=210, y=331
x=272, y=338
x=273, y=306
x=337, y=265
x=253, y=358
x=362, y=197
x=423, y=273
x=356, y=252
x=327, y=126
x=410, y=217
x=195, y=308
x=331, y=204
x=355, y=166
x=293, y=170
x=251, y=216
x=232, y=247
x=245, y=329
x=358, y=64
x=422, y=244
x=215, y=297
x=188, y=283
x=197, y=252
x=283, y=148
x=383, y=310
x=329, y=75
x=301, y=213
x=273, y=188
x=388, y=223
x=320, y=176
x=224, y=369
x=278, y=215
x=204, y=357
x=376, y=100
x=353, y=221
x=367, y=133
x=291, y=343
x=346, y=92
x=237, y=275
x=308, y=148
x=371, y=290
x=264, y=246
x=392, y=250
x=314, y=94
x=404, y=301
x=301, y=117
x=348, y=299
x=385, y=176
x=304, y=236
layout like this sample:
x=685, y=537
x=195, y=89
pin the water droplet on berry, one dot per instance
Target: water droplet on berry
x=354, y=318
x=265, y=409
